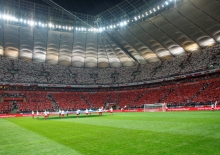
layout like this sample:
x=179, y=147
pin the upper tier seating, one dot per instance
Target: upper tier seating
x=22, y=71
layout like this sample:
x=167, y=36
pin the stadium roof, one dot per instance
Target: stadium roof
x=184, y=27
x=90, y=7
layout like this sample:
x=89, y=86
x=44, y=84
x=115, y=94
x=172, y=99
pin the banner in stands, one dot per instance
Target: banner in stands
x=192, y=109
x=112, y=85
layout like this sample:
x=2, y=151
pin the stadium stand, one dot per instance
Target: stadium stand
x=96, y=99
x=186, y=92
x=35, y=101
x=69, y=101
x=182, y=93
x=210, y=93
x=21, y=71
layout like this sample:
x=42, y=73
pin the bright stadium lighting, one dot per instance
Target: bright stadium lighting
x=100, y=29
x=31, y=23
x=50, y=25
x=154, y=9
x=121, y=24
x=166, y=3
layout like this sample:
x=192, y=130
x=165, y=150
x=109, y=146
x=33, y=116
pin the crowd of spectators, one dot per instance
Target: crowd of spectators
x=23, y=71
x=186, y=92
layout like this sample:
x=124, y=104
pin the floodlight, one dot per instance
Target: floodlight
x=121, y=24
x=31, y=22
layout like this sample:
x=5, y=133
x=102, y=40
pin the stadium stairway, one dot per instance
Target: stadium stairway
x=53, y=102
x=200, y=90
x=156, y=70
x=1, y=98
x=138, y=98
x=165, y=96
x=14, y=111
x=83, y=98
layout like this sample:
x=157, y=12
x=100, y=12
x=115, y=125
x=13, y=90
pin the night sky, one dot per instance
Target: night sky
x=91, y=7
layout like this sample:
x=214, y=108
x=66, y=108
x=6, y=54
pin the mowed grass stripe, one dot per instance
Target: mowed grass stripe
x=17, y=140
x=190, y=123
x=102, y=139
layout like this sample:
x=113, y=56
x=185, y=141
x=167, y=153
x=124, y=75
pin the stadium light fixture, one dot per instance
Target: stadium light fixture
x=49, y=25
x=31, y=23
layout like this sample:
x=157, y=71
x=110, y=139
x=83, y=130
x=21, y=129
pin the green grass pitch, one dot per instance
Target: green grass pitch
x=171, y=133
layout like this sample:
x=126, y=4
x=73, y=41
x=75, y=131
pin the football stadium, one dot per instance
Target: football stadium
x=110, y=77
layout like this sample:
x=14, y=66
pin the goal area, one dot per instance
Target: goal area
x=158, y=107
